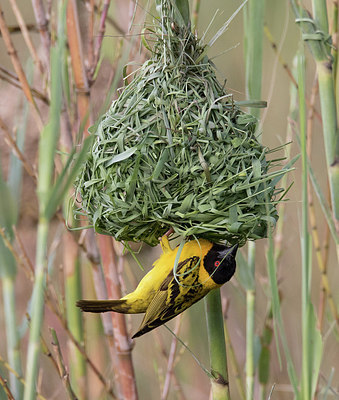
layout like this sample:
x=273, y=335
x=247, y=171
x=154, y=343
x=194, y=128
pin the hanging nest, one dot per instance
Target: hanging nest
x=174, y=150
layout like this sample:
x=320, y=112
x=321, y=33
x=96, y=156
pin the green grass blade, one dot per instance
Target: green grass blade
x=278, y=322
x=67, y=177
x=47, y=149
x=183, y=7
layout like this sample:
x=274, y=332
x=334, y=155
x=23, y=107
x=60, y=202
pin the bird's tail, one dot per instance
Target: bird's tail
x=98, y=306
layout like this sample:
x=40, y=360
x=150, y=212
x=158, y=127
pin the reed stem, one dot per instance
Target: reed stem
x=13, y=342
x=33, y=353
x=217, y=346
x=250, y=323
x=315, y=33
x=254, y=28
x=73, y=316
x=47, y=149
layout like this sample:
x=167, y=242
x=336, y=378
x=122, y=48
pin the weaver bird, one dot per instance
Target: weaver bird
x=163, y=293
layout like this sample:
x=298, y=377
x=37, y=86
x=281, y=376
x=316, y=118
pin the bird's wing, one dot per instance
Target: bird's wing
x=173, y=298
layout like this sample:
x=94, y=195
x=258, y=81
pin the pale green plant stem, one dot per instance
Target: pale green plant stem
x=217, y=346
x=273, y=255
x=9, y=278
x=254, y=27
x=234, y=362
x=13, y=348
x=306, y=271
x=47, y=147
x=314, y=32
x=37, y=311
x=278, y=321
x=312, y=346
x=75, y=325
x=334, y=32
x=195, y=16
x=250, y=323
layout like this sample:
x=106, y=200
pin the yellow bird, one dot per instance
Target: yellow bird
x=163, y=293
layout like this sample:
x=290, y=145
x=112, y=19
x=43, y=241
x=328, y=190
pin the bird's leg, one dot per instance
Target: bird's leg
x=166, y=248
x=169, y=232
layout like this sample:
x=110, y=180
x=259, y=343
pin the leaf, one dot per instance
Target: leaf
x=67, y=177
x=121, y=156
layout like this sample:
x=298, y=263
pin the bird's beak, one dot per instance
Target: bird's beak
x=229, y=250
x=234, y=250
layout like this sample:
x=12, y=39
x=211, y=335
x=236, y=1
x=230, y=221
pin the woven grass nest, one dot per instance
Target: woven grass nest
x=175, y=150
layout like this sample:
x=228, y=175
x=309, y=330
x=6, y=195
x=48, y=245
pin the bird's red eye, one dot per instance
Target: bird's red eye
x=217, y=263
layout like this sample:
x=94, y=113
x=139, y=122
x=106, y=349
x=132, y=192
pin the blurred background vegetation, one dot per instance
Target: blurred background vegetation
x=76, y=82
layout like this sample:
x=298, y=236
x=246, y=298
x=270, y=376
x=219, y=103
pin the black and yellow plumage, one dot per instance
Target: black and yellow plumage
x=202, y=266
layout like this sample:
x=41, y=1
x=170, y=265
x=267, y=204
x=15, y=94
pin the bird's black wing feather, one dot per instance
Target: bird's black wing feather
x=172, y=297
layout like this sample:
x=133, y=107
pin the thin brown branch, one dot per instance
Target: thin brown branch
x=18, y=69
x=18, y=377
x=9, y=246
x=12, y=79
x=109, y=19
x=12, y=144
x=26, y=35
x=91, y=18
x=24, y=256
x=78, y=65
x=3, y=383
x=64, y=375
x=102, y=28
x=171, y=358
x=83, y=352
x=179, y=392
x=17, y=29
x=123, y=345
x=45, y=350
x=42, y=24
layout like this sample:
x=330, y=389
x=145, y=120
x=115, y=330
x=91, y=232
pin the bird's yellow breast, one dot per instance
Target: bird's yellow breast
x=151, y=282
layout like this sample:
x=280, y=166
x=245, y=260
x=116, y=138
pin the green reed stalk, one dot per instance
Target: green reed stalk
x=47, y=147
x=254, y=27
x=279, y=326
x=74, y=320
x=9, y=211
x=12, y=335
x=311, y=338
x=315, y=32
x=72, y=279
x=306, y=268
x=217, y=346
x=32, y=366
x=334, y=32
x=250, y=323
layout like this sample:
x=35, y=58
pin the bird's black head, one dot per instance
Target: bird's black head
x=220, y=263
